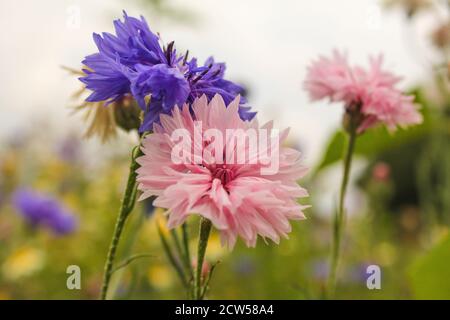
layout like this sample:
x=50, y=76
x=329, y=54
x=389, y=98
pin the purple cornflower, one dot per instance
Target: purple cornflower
x=117, y=56
x=43, y=210
x=133, y=62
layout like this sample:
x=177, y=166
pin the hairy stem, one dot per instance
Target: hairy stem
x=126, y=207
x=205, y=229
x=340, y=214
x=187, y=254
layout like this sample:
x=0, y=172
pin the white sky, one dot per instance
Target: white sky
x=266, y=44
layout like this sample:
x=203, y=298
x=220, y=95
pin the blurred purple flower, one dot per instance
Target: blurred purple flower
x=245, y=266
x=43, y=210
x=320, y=269
x=357, y=273
x=133, y=62
x=69, y=149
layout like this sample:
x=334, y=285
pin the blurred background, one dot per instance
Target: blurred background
x=399, y=201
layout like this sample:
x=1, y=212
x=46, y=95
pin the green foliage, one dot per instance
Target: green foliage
x=430, y=274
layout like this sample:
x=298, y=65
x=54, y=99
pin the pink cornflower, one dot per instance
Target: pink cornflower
x=237, y=198
x=371, y=92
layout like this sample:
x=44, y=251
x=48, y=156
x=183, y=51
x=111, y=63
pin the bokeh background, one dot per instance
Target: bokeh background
x=399, y=201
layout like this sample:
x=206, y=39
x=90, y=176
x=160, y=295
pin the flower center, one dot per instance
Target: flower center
x=223, y=173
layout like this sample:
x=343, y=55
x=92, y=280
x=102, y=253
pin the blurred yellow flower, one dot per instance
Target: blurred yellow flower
x=160, y=277
x=23, y=262
x=215, y=249
x=438, y=234
x=385, y=253
x=161, y=221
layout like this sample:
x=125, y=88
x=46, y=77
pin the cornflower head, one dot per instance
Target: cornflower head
x=238, y=197
x=370, y=95
x=134, y=63
x=42, y=210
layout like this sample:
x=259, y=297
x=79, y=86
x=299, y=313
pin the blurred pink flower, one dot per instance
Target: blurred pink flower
x=236, y=198
x=381, y=171
x=372, y=90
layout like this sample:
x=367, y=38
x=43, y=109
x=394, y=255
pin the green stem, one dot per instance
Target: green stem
x=187, y=254
x=126, y=252
x=126, y=207
x=340, y=215
x=172, y=259
x=131, y=259
x=177, y=242
x=208, y=280
x=205, y=229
